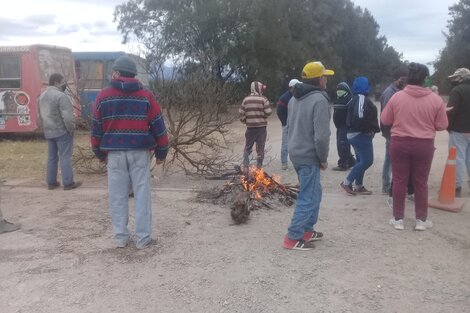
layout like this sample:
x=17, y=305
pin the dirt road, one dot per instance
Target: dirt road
x=64, y=260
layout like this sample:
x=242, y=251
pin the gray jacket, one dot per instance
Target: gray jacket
x=308, y=125
x=56, y=112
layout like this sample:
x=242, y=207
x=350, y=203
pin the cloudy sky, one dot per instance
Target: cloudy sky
x=412, y=27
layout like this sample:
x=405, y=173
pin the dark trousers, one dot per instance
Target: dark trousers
x=346, y=159
x=411, y=158
x=254, y=135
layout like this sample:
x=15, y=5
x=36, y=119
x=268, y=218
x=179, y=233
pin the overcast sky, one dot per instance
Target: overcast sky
x=412, y=27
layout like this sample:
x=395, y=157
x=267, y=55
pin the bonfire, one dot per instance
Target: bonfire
x=250, y=190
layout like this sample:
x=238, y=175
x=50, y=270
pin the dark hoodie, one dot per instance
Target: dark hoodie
x=341, y=105
x=362, y=113
x=308, y=125
x=127, y=117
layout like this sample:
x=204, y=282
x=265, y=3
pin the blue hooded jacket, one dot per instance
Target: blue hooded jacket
x=362, y=113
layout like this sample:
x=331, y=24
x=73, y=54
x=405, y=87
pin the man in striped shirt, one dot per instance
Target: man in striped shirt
x=254, y=112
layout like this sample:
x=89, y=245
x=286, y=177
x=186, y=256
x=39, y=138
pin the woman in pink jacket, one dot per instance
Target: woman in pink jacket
x=415, y=114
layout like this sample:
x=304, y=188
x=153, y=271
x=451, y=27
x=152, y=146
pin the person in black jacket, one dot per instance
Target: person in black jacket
x=459, y=123
x=343, y=99
x=282, y=105
x=362, y=123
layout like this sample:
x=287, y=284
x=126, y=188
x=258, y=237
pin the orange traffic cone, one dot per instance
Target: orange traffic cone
x=446, y=199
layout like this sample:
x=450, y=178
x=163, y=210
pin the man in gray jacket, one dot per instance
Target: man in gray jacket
x=56, y=113
x=308, y=126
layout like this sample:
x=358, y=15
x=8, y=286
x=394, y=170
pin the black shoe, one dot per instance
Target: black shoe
x=73, y=185
x=53, y=186
x=340, y=168
x=458, y=192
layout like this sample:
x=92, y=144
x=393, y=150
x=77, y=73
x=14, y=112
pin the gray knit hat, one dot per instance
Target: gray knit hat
x=125, y=64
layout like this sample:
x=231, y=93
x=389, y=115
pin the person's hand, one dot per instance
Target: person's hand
x=323, y=166
x=158, y=162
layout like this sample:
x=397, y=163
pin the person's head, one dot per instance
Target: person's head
x=257, y=88
x=460, y=75
x=417, y=73
x=343, y=91
x=361, y=86
x=124, y=66
x=314, y=73
x=400, y=77
x=57, y=80
x=292, y=83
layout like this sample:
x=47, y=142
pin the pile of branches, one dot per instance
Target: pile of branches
x=248, y=191
x=85, y=162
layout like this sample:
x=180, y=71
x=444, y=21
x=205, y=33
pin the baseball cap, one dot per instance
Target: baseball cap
x=460, y=74
x=314, y=70
x=294, y=82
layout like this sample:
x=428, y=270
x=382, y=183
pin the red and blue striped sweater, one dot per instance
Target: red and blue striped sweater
x=127, y=117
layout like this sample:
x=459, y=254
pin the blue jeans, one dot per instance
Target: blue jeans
x=362, y=145
x=387, y=168
x=346, y=159
x=126, y=169
x=462, y=143
x=60, y=149
x=284, y=153
x=308, y=201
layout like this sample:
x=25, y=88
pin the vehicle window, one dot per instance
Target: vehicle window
x=10, y=72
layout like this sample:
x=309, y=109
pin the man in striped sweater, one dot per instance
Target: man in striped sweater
x=127, y=125
x=254, y=112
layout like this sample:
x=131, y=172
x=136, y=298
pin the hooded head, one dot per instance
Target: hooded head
x=361, y=86
x=343, y=93
x=257, y=88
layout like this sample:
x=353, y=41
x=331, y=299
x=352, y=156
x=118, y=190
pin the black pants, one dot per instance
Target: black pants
x=254, y=135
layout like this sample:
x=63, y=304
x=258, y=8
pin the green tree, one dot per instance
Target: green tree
x=456, y=53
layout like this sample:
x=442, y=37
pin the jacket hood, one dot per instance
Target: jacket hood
x=417, y=91
x=126, y=84
x=257, y=88
x=302, y=89
x=361, y=86
x=344, y=99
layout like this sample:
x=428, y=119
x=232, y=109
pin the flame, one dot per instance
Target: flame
x=257, y=182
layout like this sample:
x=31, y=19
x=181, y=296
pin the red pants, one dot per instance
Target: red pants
x=411, y=158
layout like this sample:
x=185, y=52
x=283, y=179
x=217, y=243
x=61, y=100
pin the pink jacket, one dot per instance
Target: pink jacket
x=415, y=112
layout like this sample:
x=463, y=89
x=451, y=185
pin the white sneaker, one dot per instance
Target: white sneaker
x=390, y=203
x=397, y=224
x=411, y=197
x=423, y=225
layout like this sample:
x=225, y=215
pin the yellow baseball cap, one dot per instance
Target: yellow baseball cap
x=314, y=70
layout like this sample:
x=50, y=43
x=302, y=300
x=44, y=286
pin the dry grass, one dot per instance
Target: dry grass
x=24, y=156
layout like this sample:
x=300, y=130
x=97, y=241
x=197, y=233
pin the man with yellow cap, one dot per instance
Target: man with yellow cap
x=308, y=127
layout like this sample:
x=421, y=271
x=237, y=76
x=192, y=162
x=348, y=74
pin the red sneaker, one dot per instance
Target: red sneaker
x=312, y=236
x=297, y=244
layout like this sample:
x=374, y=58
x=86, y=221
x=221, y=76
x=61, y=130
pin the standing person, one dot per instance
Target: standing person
x=127, y=125
x=56, y=113
x=254, y=112
x=362, y=123
x=282, y=105
x=6, y=226
x=459, y=123
x=398, y=83
x=341, y=104
x=414, y=114
x=309, y=137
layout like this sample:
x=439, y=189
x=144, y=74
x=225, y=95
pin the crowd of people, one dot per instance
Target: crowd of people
x=127, y=126
x=410, y=115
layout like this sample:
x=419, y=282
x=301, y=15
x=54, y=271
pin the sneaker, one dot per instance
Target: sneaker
x=284, y=166
x=6, y=227
x=390, y=203
x=423, y=225
x=122, y=244
x=73, y=185
x=362, y=191
x=53, y=186
x=297, y=244
x=152, y=242
x=411, y=197
x=397, y=224
x=458, y=192
x=348, y=189
x=340, y=168
x=312, y=236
